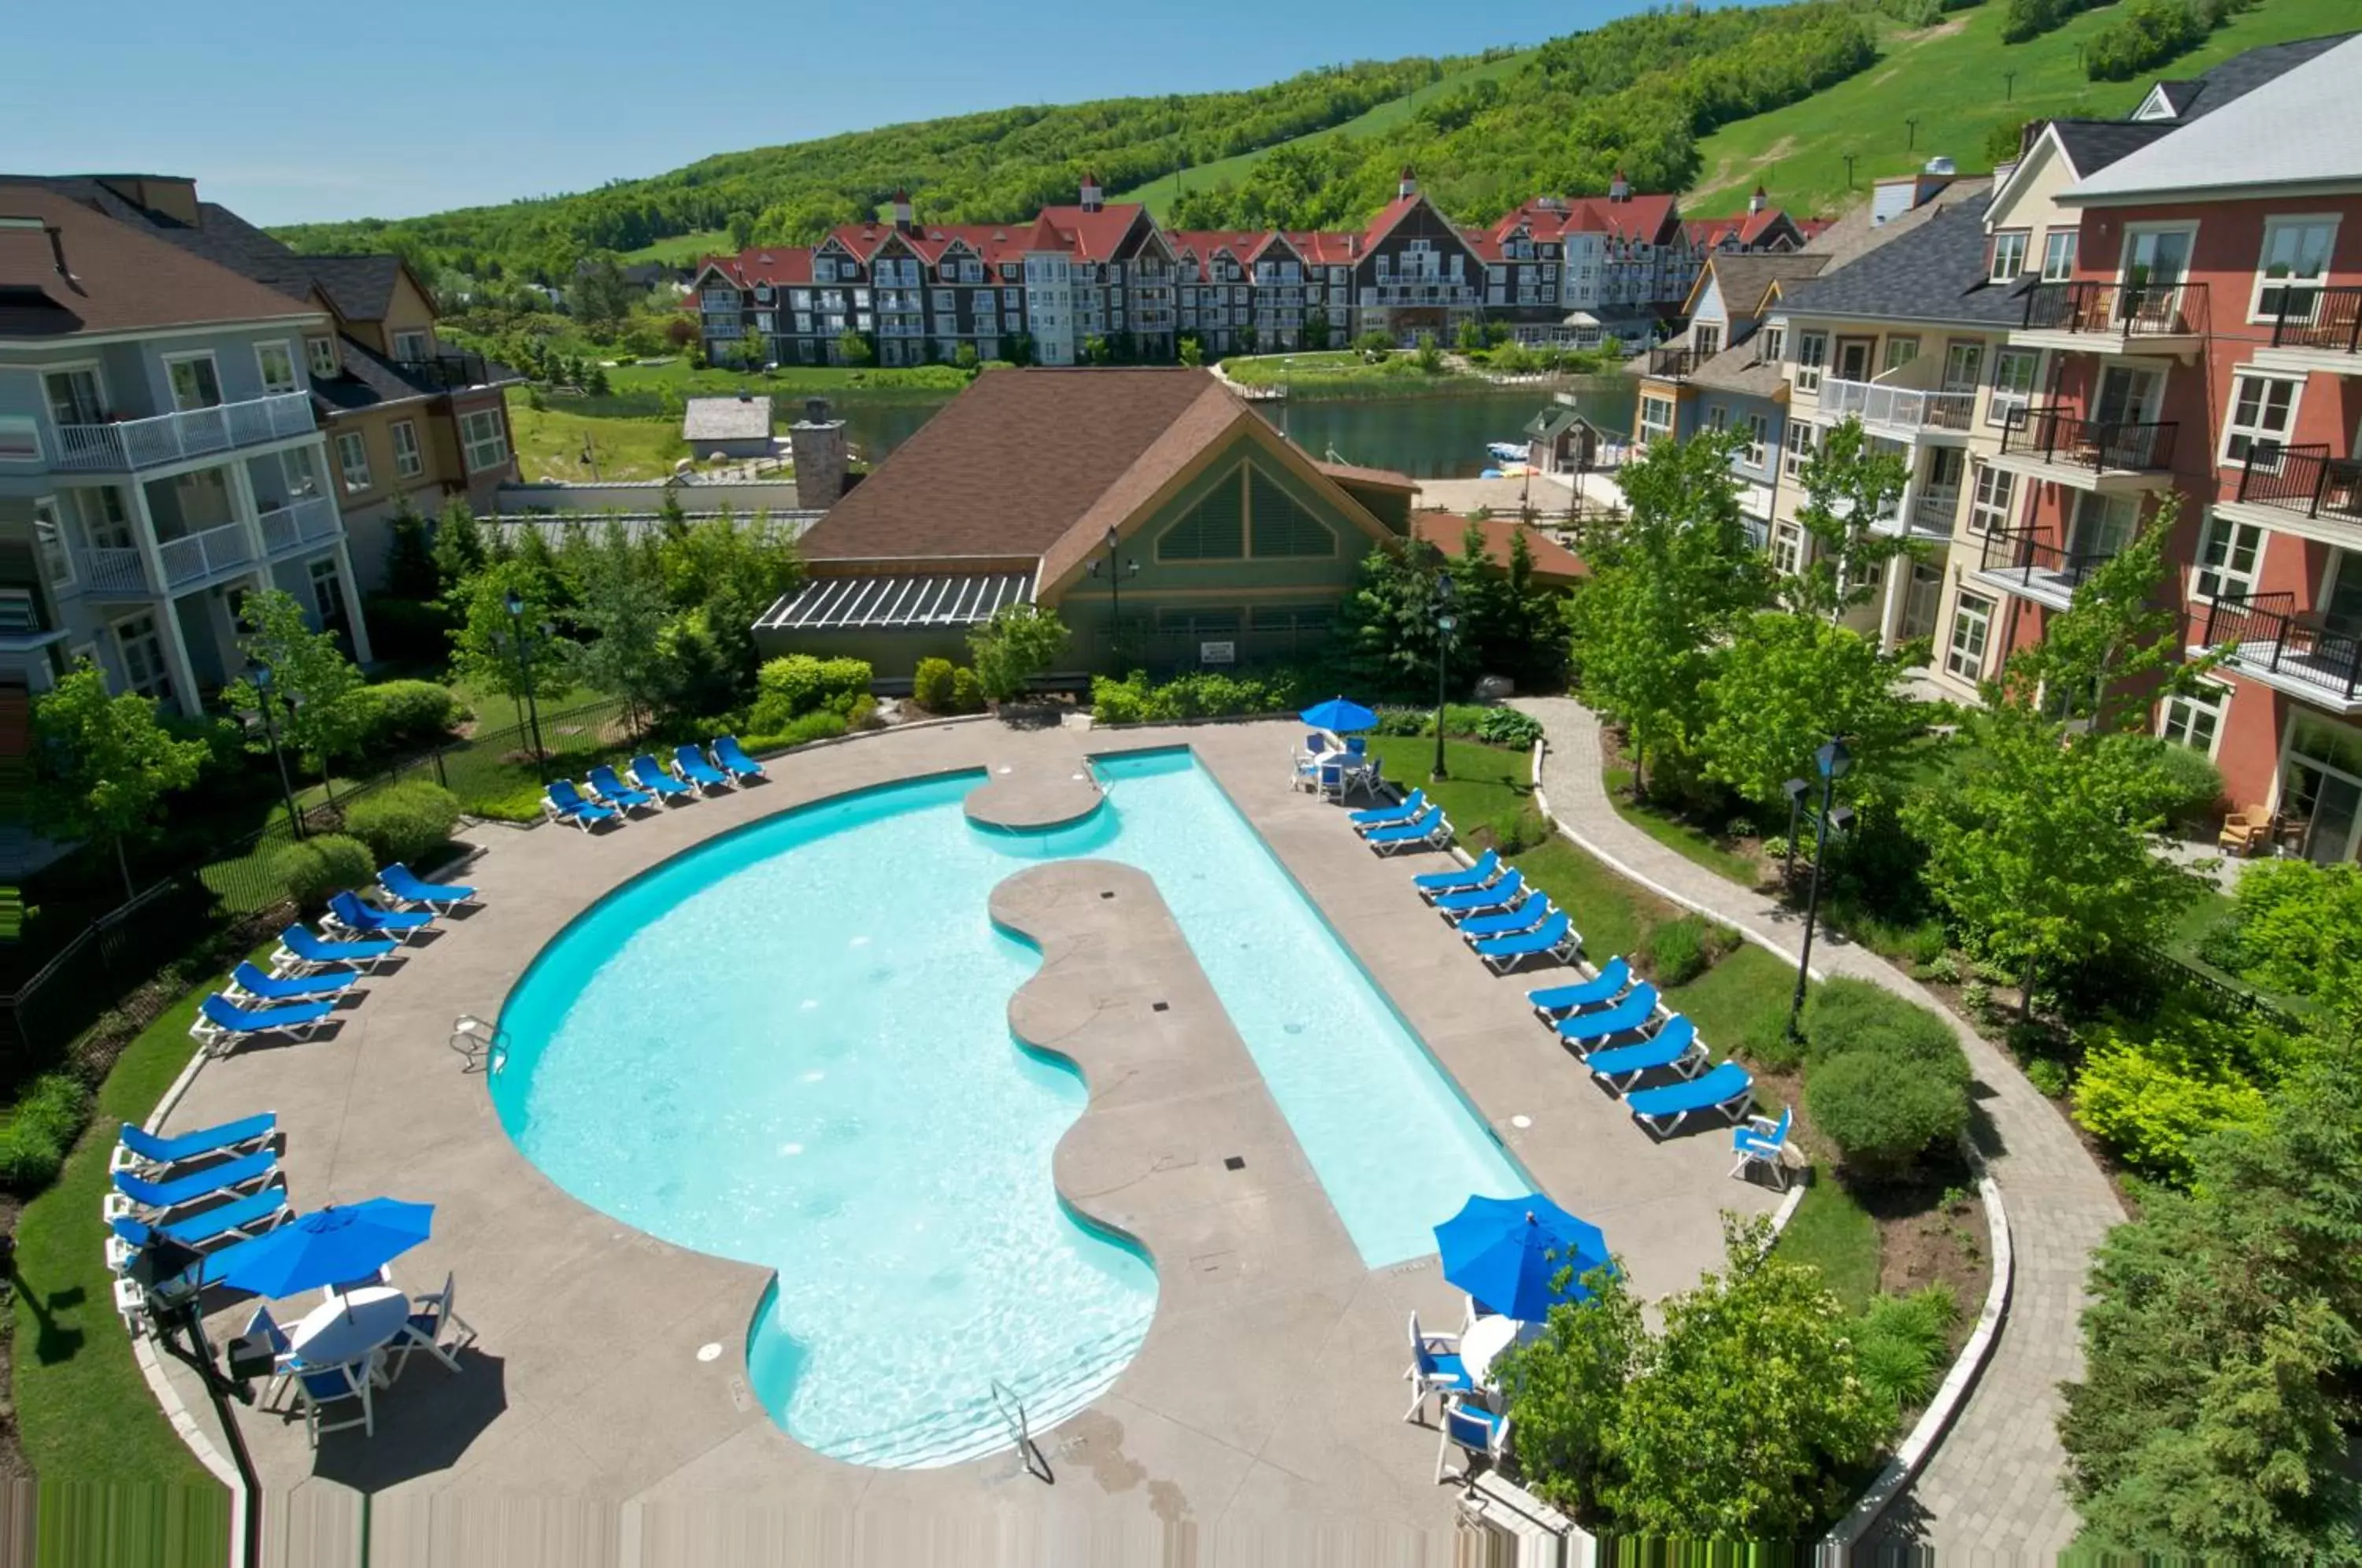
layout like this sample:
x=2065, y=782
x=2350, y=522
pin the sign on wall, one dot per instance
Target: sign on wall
x=1218, y=653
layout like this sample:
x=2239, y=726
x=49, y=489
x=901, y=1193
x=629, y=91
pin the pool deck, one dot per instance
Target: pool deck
x=1265, y=1404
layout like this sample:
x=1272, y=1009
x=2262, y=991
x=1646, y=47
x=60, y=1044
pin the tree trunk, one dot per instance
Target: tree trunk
x=2026, y=994
x=123, y=864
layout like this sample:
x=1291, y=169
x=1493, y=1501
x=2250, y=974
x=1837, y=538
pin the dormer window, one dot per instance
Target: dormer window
x=2008, y=255
x=322, y=354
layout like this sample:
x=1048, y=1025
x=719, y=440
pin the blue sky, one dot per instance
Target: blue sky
x=291, y=112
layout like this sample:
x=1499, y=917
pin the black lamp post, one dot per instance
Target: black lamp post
x=261, y=678
x=524, y=678
x=1446, y=622
x=1116, y=570
x=1833, y=762
x=1797, y=788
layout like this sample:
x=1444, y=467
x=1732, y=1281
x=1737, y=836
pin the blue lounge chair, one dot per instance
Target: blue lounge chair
x=1627, y=1016
x=348, y=914
x=1675, y=1046
x=249, y=984
x=1432, y=885
x=1477, y=901
x=1428, y=831
x=301, y=949
x=564, y=803
x=1727, y=1089
x=1524, y=915
x=136, y=1148
x=733, y=760
x=649, y=775
x=232, y=1221
x=1403, y=811
x=222, y=1025
x=697, y=772
x=1759, y=1140
x=231, y=1177
x=1555, y=937
x=1603, y=987
x=615, y=792
x=401, y=884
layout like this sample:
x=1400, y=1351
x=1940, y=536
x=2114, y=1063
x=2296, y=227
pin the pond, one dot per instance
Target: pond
x=1432, y=436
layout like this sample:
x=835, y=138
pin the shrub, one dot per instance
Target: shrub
x=1518, y=829
x=40, y=1129
x=1404, y=722
x=1677, y=951
x=797, y=684
x=1881, y=1118
x=403, y=822
x=2190, y=784
x=1900, y=1341
x=409, y=630
x=1114, y=701
x=326, y=863
x=2147, y=33
x=2048, y=1076
x=1765, y=1039
x=398, y=716
x=816, y=727
x=1507, y=726
x=931, y=687
x=1845, y=1017
x=968, y=692
x=1775, y=848
x=1943, y=968
x=2150, y=1109
x=1018, y=644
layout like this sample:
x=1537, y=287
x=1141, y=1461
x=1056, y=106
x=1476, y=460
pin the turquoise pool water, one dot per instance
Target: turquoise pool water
x=791, y=1046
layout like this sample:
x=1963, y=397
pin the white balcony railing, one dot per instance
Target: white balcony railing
x=1937, y=506
x=1875, y=404
x=116, y=569
x=133, y=444
x=192, y=558
x=299, y=523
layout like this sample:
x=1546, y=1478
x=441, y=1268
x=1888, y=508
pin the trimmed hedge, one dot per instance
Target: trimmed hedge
x=40, y=1129
x=399, y=716
x=327, y=863
x=403, y=822
x=931, y=688
x=1845, y=1017
x=1882, y=1118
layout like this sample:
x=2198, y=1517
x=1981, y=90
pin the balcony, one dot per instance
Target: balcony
x=2302, y=490
x=1672, y=364
x=2017, y=561
x=113, y=573
x=193, y=558
x=2114, y=319
x=130, y=445
x=448, y=372
x=2060, y=447
x=300, y=523
x=2267, y=638
x=1900, y=408
x=2316, y=329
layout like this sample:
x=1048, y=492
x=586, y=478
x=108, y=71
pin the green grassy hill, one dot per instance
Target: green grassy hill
x=1953, y=78
x=1160, y=193
x=681, y=250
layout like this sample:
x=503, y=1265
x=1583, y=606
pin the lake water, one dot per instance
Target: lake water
x=1438, y=436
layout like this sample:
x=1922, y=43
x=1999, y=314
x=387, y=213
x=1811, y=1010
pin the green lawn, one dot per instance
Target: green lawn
x=1835, y=1234
x=1487, y=784
x=82, y=1410
x=678, y=375
x=1955, y=80
x=1160, y=193
x=1690, y=842
x=550, y=442
x=682, y=250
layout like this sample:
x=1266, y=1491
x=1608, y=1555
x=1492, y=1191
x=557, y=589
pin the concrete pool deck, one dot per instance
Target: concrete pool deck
x=1266, y=1400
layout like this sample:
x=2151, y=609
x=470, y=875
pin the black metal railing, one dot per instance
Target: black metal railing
x=2062, y=435
x=446, y=372
x=1672, y=364
x=2319, y=318
x=2023, y=557
x=2118, y=310
x=2303, y=479
x=2267, y=633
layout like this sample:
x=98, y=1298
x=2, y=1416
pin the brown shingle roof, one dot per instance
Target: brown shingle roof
x=1353, y=473
x=1553, y=563
x=122, y=279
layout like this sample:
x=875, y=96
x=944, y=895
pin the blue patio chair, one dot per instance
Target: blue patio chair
x=222, y=1025
x=1403, y=811
x=1524, y=915
x=1675, y=1046
x=1554, y=938
x=649, y=775
x=697, y=772
x=230, y=1178
x=615, y=792
x=564, y=803
x=1434, y=1369
x=318, y=1387
x=1433, y=885
x=403, y=886
x=302, y=950
x=1629, y=1016
x=1603, y=987
x=430, y=1318
x=1477, y=901
x=137, y=1149
x=734, y=761
x=1427, y=831
x=1474, y=1431
x=249, y=985
x=348, y=914
x=1727, y=1089
x=1760, y=1141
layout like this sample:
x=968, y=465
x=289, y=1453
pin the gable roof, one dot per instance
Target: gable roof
x=2242, y=73
x=1935, y=273
x=1554, y=564
x=2249, y=141
x=2091, y=145
x=120, y=279
x=1745, y=277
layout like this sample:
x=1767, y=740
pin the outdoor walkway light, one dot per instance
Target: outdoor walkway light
x=261, y=678
x=1116, y=570
x=1833, y=762
x=1797, y=788
x=516, y=604
x=1446, y=622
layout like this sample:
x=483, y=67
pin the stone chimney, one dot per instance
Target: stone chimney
x=902, y=211
x=818, y=443
x=1091, y=197
x=1619, y=189
x=1409, y=186
x=1756, y=202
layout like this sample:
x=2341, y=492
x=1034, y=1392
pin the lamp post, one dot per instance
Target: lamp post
x=1446, y=622
x=1833, y=762
x=1116, y=569
x=516, y=604
x=261, y=678
x=1796, y=789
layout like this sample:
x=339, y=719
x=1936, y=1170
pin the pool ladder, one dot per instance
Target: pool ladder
x=1029, y=1452
x=483, y=1047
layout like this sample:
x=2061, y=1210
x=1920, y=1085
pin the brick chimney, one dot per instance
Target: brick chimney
x=1619, y=189
x=1409, y=186
x=1090, y=193
x=817, y=442
x=902, y=211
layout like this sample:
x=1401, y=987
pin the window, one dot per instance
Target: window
x=1964, y=656
x=1717, y=418
x=415, y=344
x=2058, y=255
x=1989, y=501
x=2263, y=410
x=1802, y=439
x=2016, y=372
x=484, y=439
x=104, y=523
x=1853, y=358
x=327, y=595
x=1900, y=352
x=1759, y=441
x=1964, y=365
x=352, y=456
x=1774, y=346
x=2227, y=555
x=195, y=383
x=1812, y=352
x=277, y=363
x=408, y=460
x=321, y=353
x=75, y=396
x=2289, y=275
x=1213, y=530
x=1706, y=338
x=2008, y=255
x=295, y=466
x=49, y=541
x=2193, y=719
x=1656, y=417
x=1282, y=527
x=1787, y=549
x=142, y=653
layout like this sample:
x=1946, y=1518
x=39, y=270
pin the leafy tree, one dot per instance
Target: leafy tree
x=1248, y=338
x=622, y=603
x=753, y=351
x=741, y=229
x=964, y=357
x=1428, y=357
x=1316, y=331
x=1848, y=485
x=1785, y=684
x=484, y=646
x=1096, y=351
x=1568, y=1388
x=409, y=571
x=2223, y=1343
x=602, y=296
x=727, y=571
x=1385, y=628
x=458, y=548
x=1193, y=352
x=1509, y=624
x=1470, y=339
x=2116, y=650
x=1019, y=643
x=106, y=763
x=1374, y=344
x=2300, y=925
x=310, y=698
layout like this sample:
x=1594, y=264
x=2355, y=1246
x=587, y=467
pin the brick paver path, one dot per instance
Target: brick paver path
x=1990, y=1494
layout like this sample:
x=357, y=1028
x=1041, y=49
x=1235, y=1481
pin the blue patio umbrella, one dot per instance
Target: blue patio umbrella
x=342, y=1241
x=1338, y=716
x=1507, y=1252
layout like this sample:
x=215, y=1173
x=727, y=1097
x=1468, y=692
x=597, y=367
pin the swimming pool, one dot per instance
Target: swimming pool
x=791, y=1046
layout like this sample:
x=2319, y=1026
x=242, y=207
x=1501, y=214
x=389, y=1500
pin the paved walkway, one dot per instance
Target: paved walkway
x=1991, y=1492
